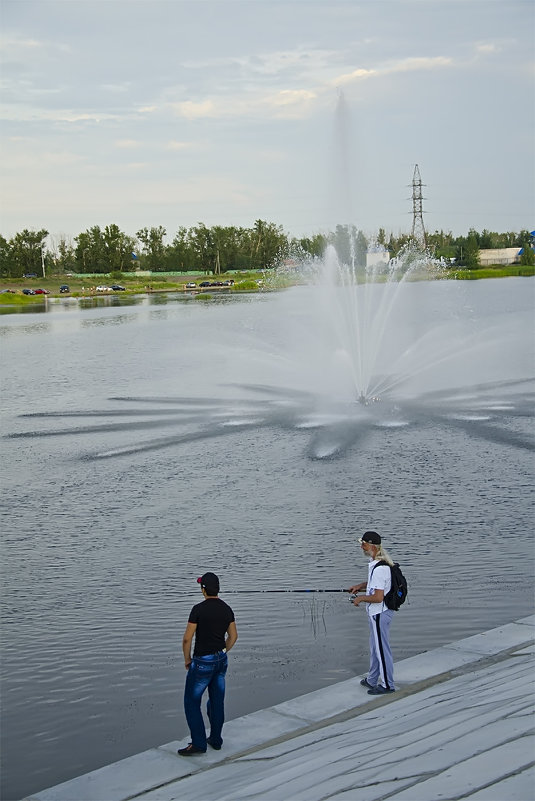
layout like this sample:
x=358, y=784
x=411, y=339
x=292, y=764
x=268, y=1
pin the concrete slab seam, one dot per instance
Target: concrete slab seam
x=458, y=797
x=376, y=703
x=477, y=665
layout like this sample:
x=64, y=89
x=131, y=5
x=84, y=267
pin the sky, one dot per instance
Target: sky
x=305, y=113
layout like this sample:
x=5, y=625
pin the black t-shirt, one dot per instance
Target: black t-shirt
x=213, y=617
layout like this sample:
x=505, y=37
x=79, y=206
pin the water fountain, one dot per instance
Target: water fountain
x=366, y=346
x=363, y=350
x=355, y=307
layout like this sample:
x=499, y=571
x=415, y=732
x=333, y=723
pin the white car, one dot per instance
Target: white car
x=103, y=288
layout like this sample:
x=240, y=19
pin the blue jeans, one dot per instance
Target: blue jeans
x=206, y=672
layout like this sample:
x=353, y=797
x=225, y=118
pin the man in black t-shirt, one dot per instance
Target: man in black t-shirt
x=212, y=623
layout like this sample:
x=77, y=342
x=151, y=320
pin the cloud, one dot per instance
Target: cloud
x=297, y=102
x=352, y=77
x=172, y=145
x=19, y=47
x=134, y=166
x=117, y=87
x=9, y=45
x=419, y=64
x=286, y=103
x=38, y=162
x=278, y=62
x=302, y=61
x=413, y=64
x=127, y=143
x=26, y=113
x=291, y=102
x=487, y=48
x=192, y=110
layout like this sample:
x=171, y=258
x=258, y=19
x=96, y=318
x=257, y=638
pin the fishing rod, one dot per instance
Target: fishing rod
x=235, y=592
x=228, y=592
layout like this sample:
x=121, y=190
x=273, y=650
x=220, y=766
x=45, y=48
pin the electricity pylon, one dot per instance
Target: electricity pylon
x=418, y=227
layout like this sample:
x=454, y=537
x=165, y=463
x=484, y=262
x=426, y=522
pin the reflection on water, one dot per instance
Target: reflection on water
x=101, y=555
x=483, y=412
x=99, y=302
x=54, y=305
x=25, y=308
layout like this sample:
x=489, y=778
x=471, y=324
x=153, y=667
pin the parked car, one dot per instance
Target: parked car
x=102, y=288
x=41, y=292
x=64, y=288
x=8, y=291
x=28, y=291
x=118, y=288
x=30, y=275
x=191, y=285
x=205, y=283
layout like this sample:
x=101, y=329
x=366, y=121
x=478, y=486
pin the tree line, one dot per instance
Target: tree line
x=219, y=249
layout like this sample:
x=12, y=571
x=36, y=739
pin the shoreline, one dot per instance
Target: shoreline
x=12, y=293
x=452, y=692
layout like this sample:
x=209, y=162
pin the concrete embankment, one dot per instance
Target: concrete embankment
x=460, y=726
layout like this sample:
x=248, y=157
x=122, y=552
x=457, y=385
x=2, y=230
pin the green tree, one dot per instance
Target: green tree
x=104, y=251
x=181, y=254
x=340, y=239
x=65, y=256
x=25, y=253
x=229, y=244
x=467, y=252
x=90, y=253
x=487, y=239
x=202, y=241
x=441, y=244
x=522, y=237
x=155, y=253
x=361, y=249
x=119, y=248
x=397, y=243
x=313, y=246
x=507, y=240
x=268, y=245
x=5, y=258
x=527, y=257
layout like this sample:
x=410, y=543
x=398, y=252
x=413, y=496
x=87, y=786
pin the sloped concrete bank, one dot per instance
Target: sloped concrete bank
x=460, y=726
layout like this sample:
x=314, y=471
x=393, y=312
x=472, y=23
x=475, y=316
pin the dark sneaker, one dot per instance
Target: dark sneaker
x=366, y=683
x=213, y=745
x=380, y=690
x=190, y=750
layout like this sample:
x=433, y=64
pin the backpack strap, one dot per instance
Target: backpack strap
x=382, y=563
x=379, y=564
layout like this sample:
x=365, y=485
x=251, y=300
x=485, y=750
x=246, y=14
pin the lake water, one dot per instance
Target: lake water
x=120, y=494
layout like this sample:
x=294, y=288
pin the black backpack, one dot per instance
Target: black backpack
x=398, y=591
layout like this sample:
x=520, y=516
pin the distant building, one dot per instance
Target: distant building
x=499, y=256
x=377, y=256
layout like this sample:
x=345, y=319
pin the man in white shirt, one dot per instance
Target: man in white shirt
x=380, y=678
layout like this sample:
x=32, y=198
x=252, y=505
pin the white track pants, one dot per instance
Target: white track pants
x=381, y=662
